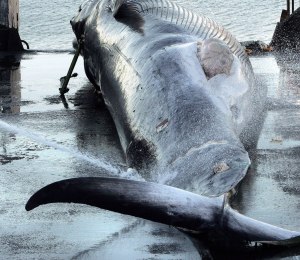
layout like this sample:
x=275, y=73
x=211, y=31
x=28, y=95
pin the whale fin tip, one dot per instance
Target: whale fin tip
x=291, y=242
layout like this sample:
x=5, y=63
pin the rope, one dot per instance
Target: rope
x=26, y=43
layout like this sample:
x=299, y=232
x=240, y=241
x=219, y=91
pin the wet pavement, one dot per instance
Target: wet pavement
x=42, y=141
x=271, y=191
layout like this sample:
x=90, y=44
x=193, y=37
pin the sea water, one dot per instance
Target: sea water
x=45, y=25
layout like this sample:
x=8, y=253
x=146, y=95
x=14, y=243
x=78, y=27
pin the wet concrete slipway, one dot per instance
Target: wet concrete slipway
x=42, y=141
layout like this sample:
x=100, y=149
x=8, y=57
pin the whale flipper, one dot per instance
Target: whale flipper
x=127, y=12
x=159, y=203
x=163, y=204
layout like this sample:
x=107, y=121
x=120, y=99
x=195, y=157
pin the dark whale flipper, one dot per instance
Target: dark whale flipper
x=159, y=203
x=127, y=12
x=163, y=204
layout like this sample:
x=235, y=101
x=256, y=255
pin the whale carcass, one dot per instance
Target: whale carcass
x=182, y=95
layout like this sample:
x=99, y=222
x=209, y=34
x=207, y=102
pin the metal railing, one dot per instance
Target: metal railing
x=290, y=9
x=290, y=6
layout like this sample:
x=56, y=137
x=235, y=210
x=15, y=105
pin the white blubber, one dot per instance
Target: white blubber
x=215, y=57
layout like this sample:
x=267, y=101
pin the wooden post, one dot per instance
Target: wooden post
x=9, y=25
x=9, y=13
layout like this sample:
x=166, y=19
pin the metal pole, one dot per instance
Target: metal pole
x=293, y=6
x=288, y=8
x=65, y=80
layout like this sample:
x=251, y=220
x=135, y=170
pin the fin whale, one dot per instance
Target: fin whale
x=181, y=92
x=192, y=75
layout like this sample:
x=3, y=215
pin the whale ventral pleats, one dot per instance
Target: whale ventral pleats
x=127, y=12
x=215, y=57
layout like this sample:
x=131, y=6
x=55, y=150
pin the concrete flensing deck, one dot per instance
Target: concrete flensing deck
x=30, y=100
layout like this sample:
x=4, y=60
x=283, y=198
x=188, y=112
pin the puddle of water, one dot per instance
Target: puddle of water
x=33, y=87
x=281, y=130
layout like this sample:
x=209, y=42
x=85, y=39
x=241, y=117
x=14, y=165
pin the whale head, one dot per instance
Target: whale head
x=211, y=169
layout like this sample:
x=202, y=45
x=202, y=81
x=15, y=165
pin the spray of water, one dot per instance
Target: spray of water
x=101, y=163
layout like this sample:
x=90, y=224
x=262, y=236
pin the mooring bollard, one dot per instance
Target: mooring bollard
x=9, y=26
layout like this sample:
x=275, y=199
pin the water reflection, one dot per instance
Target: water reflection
x=10, y=89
